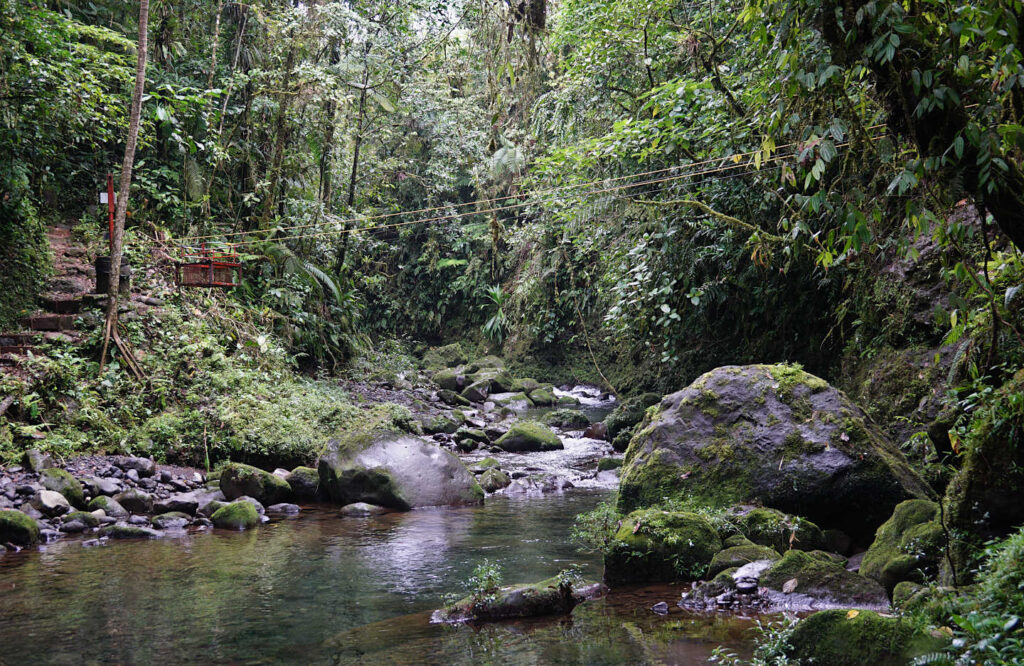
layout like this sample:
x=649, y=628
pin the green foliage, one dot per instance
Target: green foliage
x=594, y=530
x=496, y=327
x=772, y=644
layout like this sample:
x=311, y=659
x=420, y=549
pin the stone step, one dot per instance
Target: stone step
x=62, y=303
x=50, y=322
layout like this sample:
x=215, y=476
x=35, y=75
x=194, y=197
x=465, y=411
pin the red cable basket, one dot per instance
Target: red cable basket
x=206, y=267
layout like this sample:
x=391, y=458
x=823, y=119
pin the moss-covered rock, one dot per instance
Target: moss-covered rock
x=772, y=434
x=529, y=436
x=855, y=638
x=238, y=480
x=629, y=413
x=305, y=483
x=397, y=471
x=548, y=597
x=83, y=517
x=661, y=546
x=120, y=531
x=447, y=356
x=450, y=379
x=822, y=579
x=478, y=390
x=494, y=480
x=567, y=418
x=440, y=424
x=543, y=397
x=781, y=531
x=109, y=506
x=606, y=464
x=737, y=556
x=18, y=528
x=485, y=363
x=236, y=516
x=525, y=385
x=61, y=481
x=907, y=547
x=172, y=520
x=517, y=402
x=135, y=501
x=452, y=398
x=483, y=465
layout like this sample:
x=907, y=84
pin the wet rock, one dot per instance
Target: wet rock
x=606, y=464
x=571, y=419
x=452, y=398
x=529, y=436
x=493, y=480
x=101, y=486
x=450, y=379
x=596, y=431
x=172, y=520
x=284, y=509
x=542, y=397
x=28, y=489
x=478, y=390
x=109, y=506
x=362, y=509
x=121, y=531
x=211, y=507
x=48, y=535
x=134, y=501
x=398, y=471
x=660, y=546
x=771, y=433
x=138, y=520
x=61, y=481
x=237, y=480
x=132, y=475
x=907, y=547
x=548, y=597
x=36, y=461
x=621, y=422
x=484, y=465
x=84, y=517
x=738, y=556
x=51, y=503
x=517, y=402
x=485, y=363
x=256, y=504
x=305, y=483
x=184, y=503
x=440, y=424
x=857, y=637
x=143, y=467
x=18, y=528
x=236, y=516
x=822, y=579
x=165, y=476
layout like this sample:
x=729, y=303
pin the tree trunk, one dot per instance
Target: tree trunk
x=350, y=200
x=274, y=172
x=126, y=181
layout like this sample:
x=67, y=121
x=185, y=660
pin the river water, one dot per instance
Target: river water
x=321, y=588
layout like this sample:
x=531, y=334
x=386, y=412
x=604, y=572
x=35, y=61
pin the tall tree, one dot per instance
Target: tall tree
x=117, y=241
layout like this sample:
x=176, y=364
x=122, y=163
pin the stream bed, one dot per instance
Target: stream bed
x=321, y=588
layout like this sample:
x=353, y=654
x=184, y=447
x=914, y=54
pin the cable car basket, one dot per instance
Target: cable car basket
x=207, y=267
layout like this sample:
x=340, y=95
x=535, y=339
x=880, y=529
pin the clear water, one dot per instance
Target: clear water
x=326, y=589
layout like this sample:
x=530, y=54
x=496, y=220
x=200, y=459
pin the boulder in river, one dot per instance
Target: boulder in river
x=571, y=419
x=362, y=509
x=494, y=480
x=109, y=506
x=651, y=545
x=622, y=421
x=548, y=597
x=781, y=531
x=135, y=501
x=395, y=470
x=238, y=480
x=121, y=531
x=61, y=481
x=772, y=434
x=738, y=556
x=50, y=503
x=172, y=520
x=18, y=528
x=529, y=436
x=305, y=483
x=236, y=516
x=817, y=576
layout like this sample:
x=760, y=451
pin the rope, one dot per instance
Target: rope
x=338, y=232
x=735, y=157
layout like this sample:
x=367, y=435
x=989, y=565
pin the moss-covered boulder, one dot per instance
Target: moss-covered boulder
x=567, y=418
x=84, y=517
x=440, y=423
x=737, y=556
x=856, y=638
x=18, y=528
x=120, y=531
x=543, y=397
x=109, y=506
x=485, y=363
x=478, y=390
x=236, y=516
x=503, y=382
x=172, y=520
x=135, y=501
x=517, y=402
x=397, y=471
x=482, y=466
x=447, y=356
x=824, y=580
x=61, y=481
x=526, y=384
x=452, y=398
x=494, y=480
x=238, y=480
x=622, y=421
x=548, y=597
x=305, y=483
x=450, y=379
x=772, y=434
x=607, y=464
x=660, y=546
x=907, y=547
x=781, y=531
x=529, y=436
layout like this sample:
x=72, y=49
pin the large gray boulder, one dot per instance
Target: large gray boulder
x=395, y=470
x=772, y=434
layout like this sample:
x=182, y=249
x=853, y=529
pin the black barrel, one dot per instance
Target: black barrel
x=103, y=276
